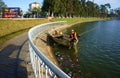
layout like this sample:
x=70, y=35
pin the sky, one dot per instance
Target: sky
x=24, y=4
x=114, y=3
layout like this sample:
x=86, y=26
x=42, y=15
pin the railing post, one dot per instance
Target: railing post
x=42, y=66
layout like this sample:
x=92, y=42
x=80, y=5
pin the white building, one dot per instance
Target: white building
x=34, y=5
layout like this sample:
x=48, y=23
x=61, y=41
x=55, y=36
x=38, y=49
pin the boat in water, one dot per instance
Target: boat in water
x=63, y=40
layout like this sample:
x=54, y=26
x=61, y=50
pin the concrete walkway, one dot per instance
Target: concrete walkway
x=14, y=58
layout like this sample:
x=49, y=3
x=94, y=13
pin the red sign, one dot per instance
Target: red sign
x=11, y=12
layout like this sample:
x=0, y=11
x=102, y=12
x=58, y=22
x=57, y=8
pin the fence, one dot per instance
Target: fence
x=42, y=66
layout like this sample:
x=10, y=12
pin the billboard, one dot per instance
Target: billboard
x=11, y=12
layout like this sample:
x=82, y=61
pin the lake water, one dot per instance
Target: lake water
x=98, y=49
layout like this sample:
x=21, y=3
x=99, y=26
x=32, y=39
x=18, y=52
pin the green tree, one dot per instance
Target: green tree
x=69, y=8
x=76, y=7
x=112, y=13
x=46, y=6
x=2, y=4
x=108, y=6
x=51, y=6
x=84, y=8
x=103, y=11
x=62, y=8
x=90, y=8
x=21, y=13
x=117, y=12
x=96, y=10
x=83, y=2
x=36, y=11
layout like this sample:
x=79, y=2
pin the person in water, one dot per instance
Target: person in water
x=73, y=37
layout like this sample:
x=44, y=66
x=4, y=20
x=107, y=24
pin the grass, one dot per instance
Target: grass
x=71, y=21
x=10, y=28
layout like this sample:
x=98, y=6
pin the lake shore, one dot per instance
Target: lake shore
x=47, y=48
x=64, y=62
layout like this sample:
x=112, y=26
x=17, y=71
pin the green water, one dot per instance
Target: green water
x=98, y=49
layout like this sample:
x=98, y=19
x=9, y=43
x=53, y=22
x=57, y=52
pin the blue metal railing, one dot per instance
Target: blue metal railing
x=42, y=66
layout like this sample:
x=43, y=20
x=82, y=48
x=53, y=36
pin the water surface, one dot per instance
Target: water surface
x=98, y=49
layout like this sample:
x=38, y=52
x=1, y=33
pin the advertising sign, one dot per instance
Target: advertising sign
x=11, y=12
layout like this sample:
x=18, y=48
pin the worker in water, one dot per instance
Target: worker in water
x=73, y=37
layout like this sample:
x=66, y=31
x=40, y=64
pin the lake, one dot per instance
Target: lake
x=98, y=50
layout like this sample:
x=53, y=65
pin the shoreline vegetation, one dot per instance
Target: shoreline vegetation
x=10, y=28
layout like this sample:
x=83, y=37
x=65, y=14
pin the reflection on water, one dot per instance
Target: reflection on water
x=73, y=54
x=98, y=51
x=68, y=60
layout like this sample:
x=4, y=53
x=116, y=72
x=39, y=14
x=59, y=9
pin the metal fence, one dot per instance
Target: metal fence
x=42, y=66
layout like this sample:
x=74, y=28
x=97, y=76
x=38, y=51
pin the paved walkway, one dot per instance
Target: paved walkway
x=14, y=58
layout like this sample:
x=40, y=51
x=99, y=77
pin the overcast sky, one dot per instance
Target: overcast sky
x=24, y=4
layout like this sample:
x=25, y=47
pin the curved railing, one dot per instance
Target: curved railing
x=42, y=66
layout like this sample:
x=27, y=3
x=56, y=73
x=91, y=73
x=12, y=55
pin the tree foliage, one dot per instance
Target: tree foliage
x=75, y=8
x=116, y=12
x=2, y=5
x=69, y=8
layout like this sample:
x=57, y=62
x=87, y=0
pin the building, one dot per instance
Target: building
x=34, y=5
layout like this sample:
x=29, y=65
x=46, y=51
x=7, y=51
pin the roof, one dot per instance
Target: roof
x=34, y=3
